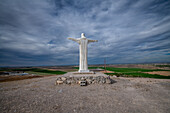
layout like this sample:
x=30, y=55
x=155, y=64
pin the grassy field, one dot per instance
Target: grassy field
x=136, y=72
x=124, y=72
x=162, y=65
x=132, y=72
x=36, y=71
x=127, y=70
x=33, y=73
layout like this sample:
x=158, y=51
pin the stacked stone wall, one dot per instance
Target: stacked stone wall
x=89, y=80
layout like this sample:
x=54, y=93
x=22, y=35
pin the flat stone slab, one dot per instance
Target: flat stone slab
x=79, y=78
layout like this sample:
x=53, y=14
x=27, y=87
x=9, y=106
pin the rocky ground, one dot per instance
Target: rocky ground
x=40, y=95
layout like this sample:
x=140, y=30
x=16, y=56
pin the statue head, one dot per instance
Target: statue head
x=83, y=35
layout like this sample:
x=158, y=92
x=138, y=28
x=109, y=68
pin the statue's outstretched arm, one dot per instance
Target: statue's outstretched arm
x=76, y=40
x=92, y=41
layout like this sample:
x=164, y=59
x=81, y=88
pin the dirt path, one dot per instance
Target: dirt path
x=130, y=95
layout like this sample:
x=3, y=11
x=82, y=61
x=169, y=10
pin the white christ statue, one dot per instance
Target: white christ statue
x=83, y=42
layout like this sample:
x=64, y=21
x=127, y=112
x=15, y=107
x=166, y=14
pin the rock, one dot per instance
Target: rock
x=68, y=82
x=114, y=76
x=79, y=82
x=65, y=82
x=83, y=79
x=89, y=81
x=73, y=81
x=76, y=78
x=60, y=91
x=59, y=82
x=104, y=81
x=63, y=78
x=100, y=82
x=91, y=78
x=58, y=78
x=108, y=81
x=93, y=82
x=94, y=78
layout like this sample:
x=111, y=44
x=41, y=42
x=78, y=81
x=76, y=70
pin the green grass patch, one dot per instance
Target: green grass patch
x=48, y=71
x=117, y=74
x=162, y=65
x=76, y=67
x=132, y=69
x=38, y=70
x=135, y=72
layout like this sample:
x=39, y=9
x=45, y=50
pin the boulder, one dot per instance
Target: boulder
x=108, y=81
x=63, y=78
x=59, y=82
x=83, y=79
x=68, y=82
x=89, y=81
x=103, y=81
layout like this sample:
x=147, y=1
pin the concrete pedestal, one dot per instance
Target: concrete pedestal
x=82, y=71
x=90, y=72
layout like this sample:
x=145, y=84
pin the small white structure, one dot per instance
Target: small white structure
x=83, y=42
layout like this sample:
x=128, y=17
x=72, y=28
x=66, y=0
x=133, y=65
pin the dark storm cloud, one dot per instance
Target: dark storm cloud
x=34, y=32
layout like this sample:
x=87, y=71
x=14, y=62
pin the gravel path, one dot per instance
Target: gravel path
x=130, y=95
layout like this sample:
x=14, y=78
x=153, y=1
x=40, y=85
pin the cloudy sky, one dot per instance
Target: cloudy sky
x=35, y=32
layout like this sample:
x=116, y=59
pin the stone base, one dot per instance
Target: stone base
x=84, y=71
x=90, y=72
x=71, y=78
